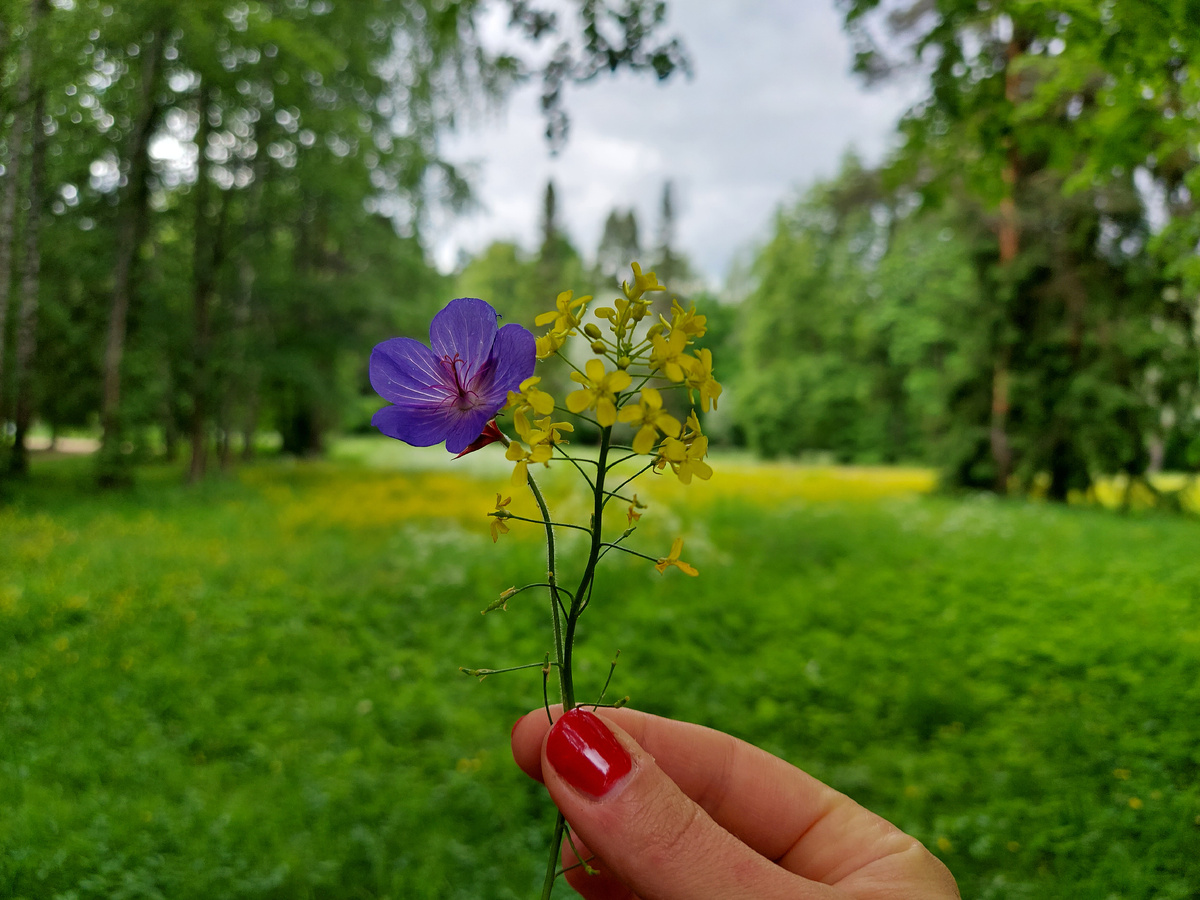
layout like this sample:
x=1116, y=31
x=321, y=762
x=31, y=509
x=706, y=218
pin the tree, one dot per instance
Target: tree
x=1009, y=133
x=671, y=266
x=263, y=162
x=619, y=246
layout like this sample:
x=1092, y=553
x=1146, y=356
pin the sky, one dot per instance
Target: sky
x=772, y=107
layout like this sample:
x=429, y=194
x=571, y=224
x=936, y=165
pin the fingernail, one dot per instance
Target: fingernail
x=586, y=754
x=515, y=724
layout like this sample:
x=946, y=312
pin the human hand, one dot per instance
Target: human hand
x=674, y=811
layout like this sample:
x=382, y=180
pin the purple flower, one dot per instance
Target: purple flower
x=451, y=392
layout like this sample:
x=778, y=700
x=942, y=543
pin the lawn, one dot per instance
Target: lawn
x=251, y=689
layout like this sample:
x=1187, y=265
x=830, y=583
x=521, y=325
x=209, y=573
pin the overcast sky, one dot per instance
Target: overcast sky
x=772, y=106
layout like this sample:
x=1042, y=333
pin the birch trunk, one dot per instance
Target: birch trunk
x=8, y=198
x=30, y=284
x=131, y=229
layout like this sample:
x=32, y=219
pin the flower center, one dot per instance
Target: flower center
x=464, y=398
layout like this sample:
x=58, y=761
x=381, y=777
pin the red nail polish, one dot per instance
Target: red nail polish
x=586, y=754
x=515, y=724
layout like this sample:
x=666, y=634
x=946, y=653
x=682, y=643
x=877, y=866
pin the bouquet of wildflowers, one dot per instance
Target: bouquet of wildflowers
x=473, y=370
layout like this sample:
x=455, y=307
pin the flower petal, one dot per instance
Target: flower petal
x=426, y=426
x=465, y=426
x=513, y=356
x=407, y=372
x=466, y=327
x=420, y=427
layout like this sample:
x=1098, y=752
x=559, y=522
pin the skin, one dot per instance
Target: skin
x=705, y=816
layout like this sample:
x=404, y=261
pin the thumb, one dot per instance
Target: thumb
x=649, y=834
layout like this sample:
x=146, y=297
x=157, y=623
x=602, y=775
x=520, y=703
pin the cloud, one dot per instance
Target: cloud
x=772, y=107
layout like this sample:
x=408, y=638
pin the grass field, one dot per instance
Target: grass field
x=250, y=689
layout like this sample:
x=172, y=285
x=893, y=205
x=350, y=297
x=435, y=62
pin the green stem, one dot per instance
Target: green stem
x=562, y=658
x=564, y=676
x=581, y=593
x=555, y=853
x=563, y=643
x=541, y=521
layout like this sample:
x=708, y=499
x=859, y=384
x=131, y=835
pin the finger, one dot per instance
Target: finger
x=598, y=884
x=653, y=838
x=773, y=807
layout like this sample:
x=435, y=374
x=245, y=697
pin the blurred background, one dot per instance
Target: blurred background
x=948, y=254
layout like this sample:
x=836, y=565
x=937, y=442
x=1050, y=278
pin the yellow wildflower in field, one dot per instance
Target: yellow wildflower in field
x=599, y=391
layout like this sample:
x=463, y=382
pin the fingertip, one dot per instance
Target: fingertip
x=528, y=733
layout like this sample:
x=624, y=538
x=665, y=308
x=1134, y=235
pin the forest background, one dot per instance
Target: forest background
x=245, y=685
x=1009, y=297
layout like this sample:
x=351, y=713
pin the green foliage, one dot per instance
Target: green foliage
x=863, y=330
x=250, y=689
x=1064, y=135
x=236, y=193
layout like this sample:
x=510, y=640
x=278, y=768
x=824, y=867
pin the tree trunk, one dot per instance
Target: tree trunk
x=132, y=222
x=206, y=257
x=1009, y=239
x=244, y=368
x=250, y=422
x=12, y=187
x=1068, y=468
x=30, y=282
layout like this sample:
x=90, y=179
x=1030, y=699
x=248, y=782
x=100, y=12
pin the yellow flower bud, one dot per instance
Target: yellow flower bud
x=598, y=347
x=592, y=331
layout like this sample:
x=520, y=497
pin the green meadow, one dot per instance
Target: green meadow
x=250, y=689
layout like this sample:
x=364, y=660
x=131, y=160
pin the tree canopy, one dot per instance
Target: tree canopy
x=205, y=207
x=1056, y=150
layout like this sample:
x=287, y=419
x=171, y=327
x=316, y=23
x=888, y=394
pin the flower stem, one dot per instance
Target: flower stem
x=579, y=601
x=555, y=854
x=561, y=657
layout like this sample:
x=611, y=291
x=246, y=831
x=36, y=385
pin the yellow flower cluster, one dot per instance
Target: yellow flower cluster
x=669, y=355
x=566, y=316
x=685, y=454
x=634, y=362
x=614, y=385
x=541, y=435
